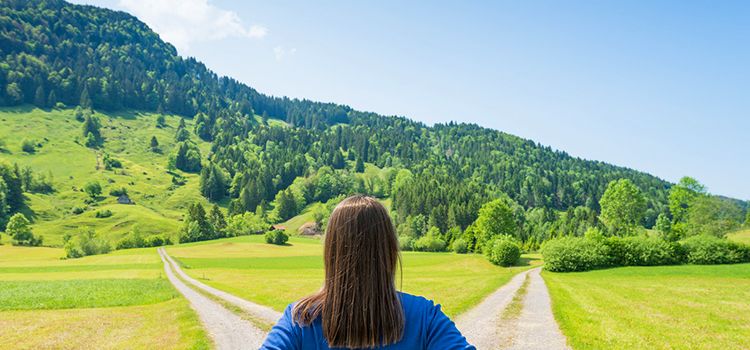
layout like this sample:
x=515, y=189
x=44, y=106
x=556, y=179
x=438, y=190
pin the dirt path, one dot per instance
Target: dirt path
x=226, y=329
x=534, y=328
x=262, y=314
x=482, y=325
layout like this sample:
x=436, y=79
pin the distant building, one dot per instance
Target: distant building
x=277, y=227
x=124, y=199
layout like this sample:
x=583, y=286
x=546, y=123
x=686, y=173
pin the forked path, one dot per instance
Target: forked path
x=535, y=327
x=227, y=330
x=263, y=314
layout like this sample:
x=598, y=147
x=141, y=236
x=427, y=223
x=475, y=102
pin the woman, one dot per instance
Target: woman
x=358, y=306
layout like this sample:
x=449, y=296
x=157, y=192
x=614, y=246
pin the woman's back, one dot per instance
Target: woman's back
x=358, y=306
x=425, y=327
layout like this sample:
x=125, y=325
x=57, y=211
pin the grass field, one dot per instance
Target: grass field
x=740, y=236
x=665, y=307
x=144, y=174
x=113, y=301
x=278, y=275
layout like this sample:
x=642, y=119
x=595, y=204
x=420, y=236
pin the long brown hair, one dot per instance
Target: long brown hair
x=358, y=303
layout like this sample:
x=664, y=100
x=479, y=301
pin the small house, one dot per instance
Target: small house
x=124, y=199
x=277, y=228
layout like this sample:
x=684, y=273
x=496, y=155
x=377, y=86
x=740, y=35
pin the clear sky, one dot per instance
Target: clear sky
x=659, y=86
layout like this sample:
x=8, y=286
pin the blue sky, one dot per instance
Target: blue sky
x=659, y=86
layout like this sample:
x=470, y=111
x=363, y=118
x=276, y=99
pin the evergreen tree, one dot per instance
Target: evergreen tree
x=287, y=206
x=196, y=225
x=359, y=167
x=213, y=182
x=161, y=121
x=338, y=160
x=40, y=98
x=154, y=144
x=85, y=101
x=51, y=99
x=218, y=222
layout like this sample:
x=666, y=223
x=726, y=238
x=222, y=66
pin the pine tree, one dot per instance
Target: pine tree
x=85, y=101
x=52, y=99
x=154, y=144
x=218, y=222
x=359, y=167
x=40, y=99
x=338, y=160
x=161, y=121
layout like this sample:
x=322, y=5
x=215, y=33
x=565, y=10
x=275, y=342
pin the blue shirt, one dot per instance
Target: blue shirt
x=426, y=327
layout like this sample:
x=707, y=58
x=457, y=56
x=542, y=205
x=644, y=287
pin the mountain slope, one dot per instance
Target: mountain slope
x=56, y=53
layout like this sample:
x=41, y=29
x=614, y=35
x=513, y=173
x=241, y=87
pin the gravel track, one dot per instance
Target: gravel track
x=227, y=330
x=482, y=325
x=261, y=313
x=534, y=328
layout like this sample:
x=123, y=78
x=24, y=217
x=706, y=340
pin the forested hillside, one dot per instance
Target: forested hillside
x=280, y=154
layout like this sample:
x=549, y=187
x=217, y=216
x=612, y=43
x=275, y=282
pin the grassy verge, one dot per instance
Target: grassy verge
x=665, y=307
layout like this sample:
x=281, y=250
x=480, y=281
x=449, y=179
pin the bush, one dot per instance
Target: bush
x=460, y=246
x=78, y=210
x=134, y=239
x=707, y=250
x=575, y=254
x=429, y=243
x=87, y=242
x=503, y=251
x=643, y=251
x=277, y=237
x=406, y=243
x=103, y=214
x=116, y=192
x=28, y=146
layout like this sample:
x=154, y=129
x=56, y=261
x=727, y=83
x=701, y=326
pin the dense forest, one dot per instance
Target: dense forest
x=59, y=55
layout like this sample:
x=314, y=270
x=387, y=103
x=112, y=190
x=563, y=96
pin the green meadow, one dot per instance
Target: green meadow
x=664, y=307
x=740, y=236
x=278, y=275
x=159, y=205
x=114, y=301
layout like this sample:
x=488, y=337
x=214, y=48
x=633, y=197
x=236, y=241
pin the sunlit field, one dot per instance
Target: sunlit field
x=113, y=301
x=666, y=307
x=278, y=275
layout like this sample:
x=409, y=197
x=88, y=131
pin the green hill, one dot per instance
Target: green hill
x=158, y=204
x=61, y=55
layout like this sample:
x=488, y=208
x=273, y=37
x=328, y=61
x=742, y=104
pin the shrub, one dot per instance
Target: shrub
x=706, y=250
x=28, y=146
x=406, y=243
x=134, y=239
x=116, y=192
x=86, y=242
x=429, y=243
x=19, y=229
x=277, y=237
x=103, y=214
x=460, y=246
x=78, y=210
x=643, y=251
x=574, y=254
x=503, y=251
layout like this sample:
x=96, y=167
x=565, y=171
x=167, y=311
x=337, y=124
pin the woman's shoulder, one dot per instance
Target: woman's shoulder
x=417, y=304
